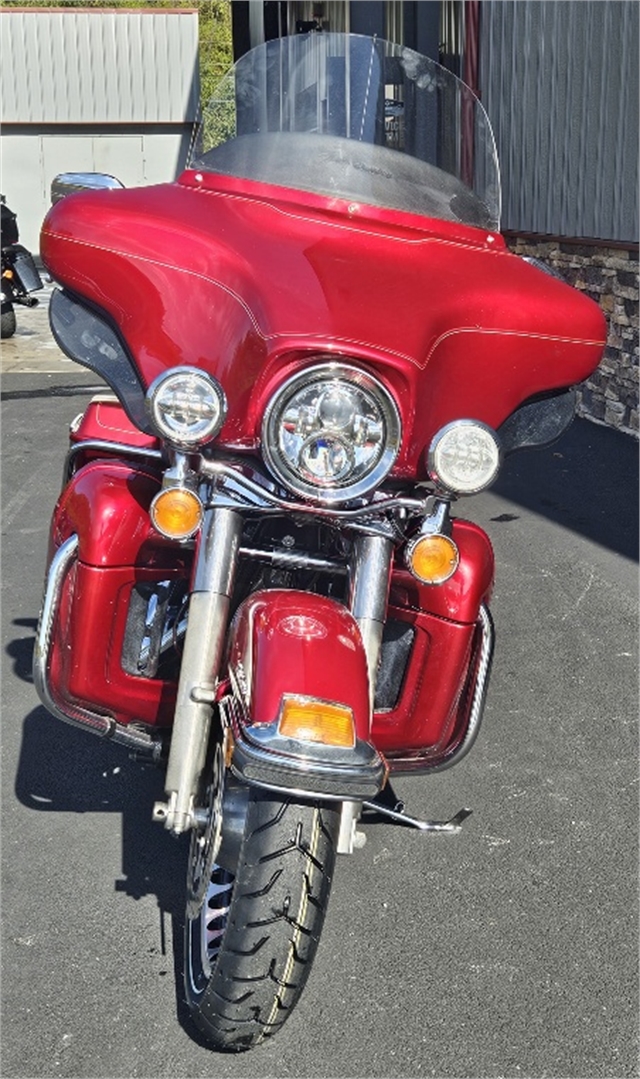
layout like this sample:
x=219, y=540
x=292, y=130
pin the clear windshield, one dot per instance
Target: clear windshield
x=358, y=118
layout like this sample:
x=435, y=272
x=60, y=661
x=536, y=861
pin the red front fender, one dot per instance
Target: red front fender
x=286, y=642
x=295, y=644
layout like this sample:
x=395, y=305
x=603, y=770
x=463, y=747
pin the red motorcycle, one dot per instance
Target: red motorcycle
x=317, y=341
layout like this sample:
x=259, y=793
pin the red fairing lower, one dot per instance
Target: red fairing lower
x=287, y=642
x=106, y=505
x=86, y=660
x=429, y=716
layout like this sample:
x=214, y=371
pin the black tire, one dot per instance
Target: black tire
x=269, y=916
x=8, y=321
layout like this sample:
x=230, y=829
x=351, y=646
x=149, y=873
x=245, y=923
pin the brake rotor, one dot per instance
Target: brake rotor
x=206, y=840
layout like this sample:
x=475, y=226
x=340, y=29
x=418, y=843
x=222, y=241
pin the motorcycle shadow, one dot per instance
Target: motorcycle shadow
x=560, y=483
x=20, y=650
x=63, y=770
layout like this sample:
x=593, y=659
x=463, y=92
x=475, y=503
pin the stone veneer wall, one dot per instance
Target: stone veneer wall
x=610, y=276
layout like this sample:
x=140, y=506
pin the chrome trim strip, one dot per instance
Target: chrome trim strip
x=304, y=777
x=104, y=446
x=483, y=670
x=102, y=725
x=263, y=758
x=293, y=561
x=264, y=499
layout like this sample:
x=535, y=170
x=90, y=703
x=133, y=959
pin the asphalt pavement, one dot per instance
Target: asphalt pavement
x=510, y=950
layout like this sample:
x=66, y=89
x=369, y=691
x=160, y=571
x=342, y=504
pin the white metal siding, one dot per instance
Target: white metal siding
x=100, y=66
x=559, y=80
x=93, y=91
x=30, y=160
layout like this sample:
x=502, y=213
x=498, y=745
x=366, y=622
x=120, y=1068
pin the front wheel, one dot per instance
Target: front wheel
x=8, y=321
x=250, y=946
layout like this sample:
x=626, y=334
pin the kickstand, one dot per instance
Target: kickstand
x=388, y=805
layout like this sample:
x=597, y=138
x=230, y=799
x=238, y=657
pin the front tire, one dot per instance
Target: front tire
x=7, y=321
x=249, y=949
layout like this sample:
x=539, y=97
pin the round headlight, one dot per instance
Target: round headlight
x=331, y=433
x=464, y=457
x=187, y=406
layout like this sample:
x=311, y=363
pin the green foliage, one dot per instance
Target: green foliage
x=216, y=48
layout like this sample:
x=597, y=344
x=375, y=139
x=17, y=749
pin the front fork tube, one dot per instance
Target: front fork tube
x=369, y=591
x=216, y=560
x=370, y=579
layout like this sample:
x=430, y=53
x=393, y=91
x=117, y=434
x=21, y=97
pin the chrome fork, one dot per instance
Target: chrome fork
x=216, y=560
x=369, y=591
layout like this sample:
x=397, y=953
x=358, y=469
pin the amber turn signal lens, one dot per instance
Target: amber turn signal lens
x=176, y=513
x=433, y=559
x=310, y=720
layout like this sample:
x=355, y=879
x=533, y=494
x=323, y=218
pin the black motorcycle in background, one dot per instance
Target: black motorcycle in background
x=20, y=275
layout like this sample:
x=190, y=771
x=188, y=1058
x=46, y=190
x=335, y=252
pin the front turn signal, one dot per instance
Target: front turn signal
x=311, y=720
x=176, y=513
x=432, y=559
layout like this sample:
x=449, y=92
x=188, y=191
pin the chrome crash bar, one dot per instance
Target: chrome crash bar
x=103, y=725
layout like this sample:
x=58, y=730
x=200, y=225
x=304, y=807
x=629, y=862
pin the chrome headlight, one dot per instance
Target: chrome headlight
x=464, y=457
x=187, y=406
x=331, y=433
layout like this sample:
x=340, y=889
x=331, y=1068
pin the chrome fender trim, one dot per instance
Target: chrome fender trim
x=263, y=758
x=104, y=726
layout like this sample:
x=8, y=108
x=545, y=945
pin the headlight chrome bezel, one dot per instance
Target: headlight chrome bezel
x=343, y=377
x=437, y=467
x=203, y=432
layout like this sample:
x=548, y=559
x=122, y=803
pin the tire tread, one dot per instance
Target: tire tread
x=275, y=919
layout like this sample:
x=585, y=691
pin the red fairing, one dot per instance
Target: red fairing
x=249, y=281
x=105, y=419
x=430, y=711
x=459, y=598
x=297, y=643
x=429, y=716
x=86, y=658
x=106, y=504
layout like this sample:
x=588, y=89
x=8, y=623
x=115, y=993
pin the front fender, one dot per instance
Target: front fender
x=286, y=644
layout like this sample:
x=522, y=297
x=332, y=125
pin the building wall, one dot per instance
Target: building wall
x=609, y=275
x=96, y=90
x=560, y=83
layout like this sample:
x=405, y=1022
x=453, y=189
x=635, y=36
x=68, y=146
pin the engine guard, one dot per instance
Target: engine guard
x=294, y=645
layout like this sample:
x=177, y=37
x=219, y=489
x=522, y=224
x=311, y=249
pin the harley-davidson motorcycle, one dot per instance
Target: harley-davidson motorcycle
x=19, y=273
x=317, y=342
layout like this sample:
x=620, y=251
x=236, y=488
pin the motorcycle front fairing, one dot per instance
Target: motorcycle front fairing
x=482, y=331
x=368, y=219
